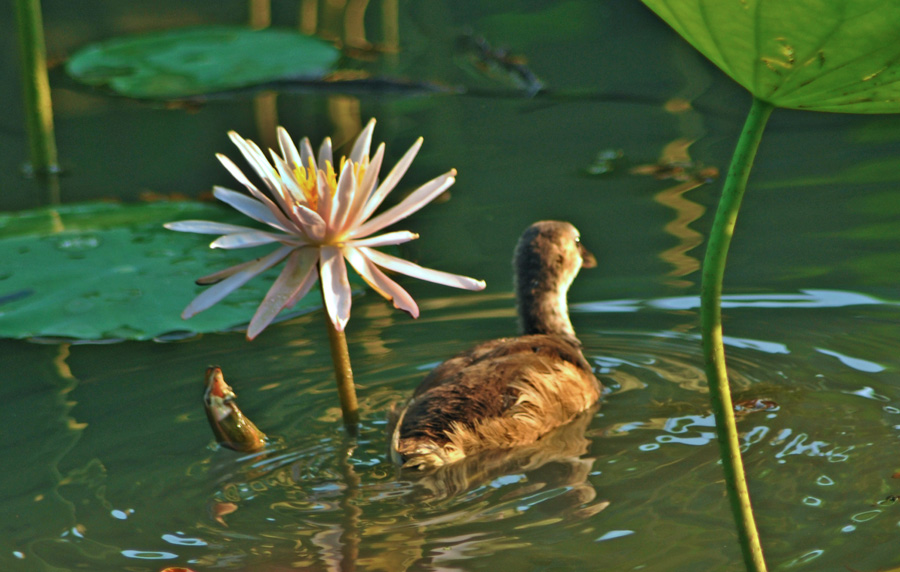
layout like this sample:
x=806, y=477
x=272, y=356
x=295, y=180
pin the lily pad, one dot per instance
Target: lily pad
x=194, y=61
x=110, y=271
x=821, y=55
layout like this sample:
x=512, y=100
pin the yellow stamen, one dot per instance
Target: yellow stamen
x=331, y=176
x=306, y=178
x=359, y=169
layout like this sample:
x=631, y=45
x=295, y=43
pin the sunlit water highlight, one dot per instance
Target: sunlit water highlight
x=644, y=465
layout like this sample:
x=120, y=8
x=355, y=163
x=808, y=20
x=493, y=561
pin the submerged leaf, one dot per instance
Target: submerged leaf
x=821, y=55
x=194, y=61
x=110, y=271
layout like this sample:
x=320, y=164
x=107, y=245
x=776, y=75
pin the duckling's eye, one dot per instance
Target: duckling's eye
x=577, y=239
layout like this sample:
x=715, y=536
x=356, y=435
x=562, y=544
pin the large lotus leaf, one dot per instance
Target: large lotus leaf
x=193, y=61
x=822, y=55
x=110, y=271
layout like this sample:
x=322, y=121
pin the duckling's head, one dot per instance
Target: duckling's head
x=548, y=256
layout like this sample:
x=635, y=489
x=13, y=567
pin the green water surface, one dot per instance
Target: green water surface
x=107, y=453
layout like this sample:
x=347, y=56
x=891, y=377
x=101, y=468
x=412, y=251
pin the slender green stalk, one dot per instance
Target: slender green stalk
x=340, y=356
x=36, y=87
x=711, y=329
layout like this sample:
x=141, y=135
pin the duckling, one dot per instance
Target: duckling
x=510, y=391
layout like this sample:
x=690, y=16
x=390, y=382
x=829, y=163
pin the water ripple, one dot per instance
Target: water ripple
x=807, y=298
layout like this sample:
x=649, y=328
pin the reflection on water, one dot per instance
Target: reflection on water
x=293, y=486
x=564, y=447
x=810, y=298
x=675, y=163
x=642, y=467
x=687, y=211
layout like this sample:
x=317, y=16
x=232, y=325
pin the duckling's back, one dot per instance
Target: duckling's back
x=500, y=394
x=510, y=391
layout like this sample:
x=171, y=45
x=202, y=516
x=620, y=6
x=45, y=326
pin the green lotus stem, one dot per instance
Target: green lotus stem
x=340, y=357
x=36, y=87
x=711, y=329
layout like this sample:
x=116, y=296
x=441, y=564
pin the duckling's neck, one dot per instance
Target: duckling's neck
x=543, y=311
x=541, y=300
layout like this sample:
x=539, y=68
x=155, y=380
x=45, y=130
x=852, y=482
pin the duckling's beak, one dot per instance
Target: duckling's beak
x=587, y=259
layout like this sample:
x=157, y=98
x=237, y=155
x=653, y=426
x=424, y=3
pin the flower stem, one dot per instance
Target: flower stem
x=36, y=87
x=711, y=329
x=340, y=357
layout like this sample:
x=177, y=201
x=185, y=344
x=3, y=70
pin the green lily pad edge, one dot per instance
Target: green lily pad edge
x=188, y=62
x=111, y=272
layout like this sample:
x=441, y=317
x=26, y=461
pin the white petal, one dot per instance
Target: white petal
x=253, y=238
x=251, y=207
x=343, y=197
x=257, y=160
x=239, y=175
x=249, y=156
x=223, y=274
x=288, y=181
x=380, y=282
x=371, y=177
x=236, y=172
x=325, y=154
x=295, y=280
x=215, y=293
x=391, y=238
x=305, y=288
x=391, y=180
x=415, y=201
x=416, y=271
x=363, y=143
x=325, y=199
x=310, y=222
x=205, y=227
x=306, y=152
x=298, y=207
x=335, y=286
x=288, y=149
x=364, y=191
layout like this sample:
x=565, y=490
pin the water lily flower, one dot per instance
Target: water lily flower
x=320, y=214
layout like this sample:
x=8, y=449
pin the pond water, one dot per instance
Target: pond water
x=109, y=459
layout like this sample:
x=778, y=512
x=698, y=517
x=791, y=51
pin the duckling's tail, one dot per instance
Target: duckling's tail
x=417, y=452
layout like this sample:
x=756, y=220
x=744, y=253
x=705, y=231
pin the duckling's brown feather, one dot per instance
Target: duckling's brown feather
x=550, y=347
x=499, y=394
x=446, y=372
x=509, y=391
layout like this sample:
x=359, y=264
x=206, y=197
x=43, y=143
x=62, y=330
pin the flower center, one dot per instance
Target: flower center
x=308, y=179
